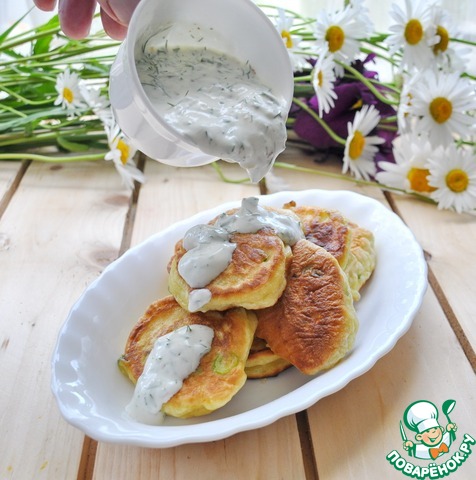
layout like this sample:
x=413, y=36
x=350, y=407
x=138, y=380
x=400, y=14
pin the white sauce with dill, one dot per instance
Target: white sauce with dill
x=216, y=102
x=209, y=250
x=173, y=358
x=198, y=298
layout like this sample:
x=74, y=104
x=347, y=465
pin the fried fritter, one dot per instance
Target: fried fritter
x=255, y=277
x=221, y=372
x=362, y=259
x=326, y=228
x=314, y=323
x=351, y=245
x=262, y=362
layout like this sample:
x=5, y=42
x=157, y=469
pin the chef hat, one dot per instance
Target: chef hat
x=421, y=415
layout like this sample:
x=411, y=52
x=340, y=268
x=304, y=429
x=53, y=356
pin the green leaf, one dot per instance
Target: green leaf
x=53, y=22
x=71, y=146
x=34, y=118
x=9, y=30
x=42, y=45
x=12, y=53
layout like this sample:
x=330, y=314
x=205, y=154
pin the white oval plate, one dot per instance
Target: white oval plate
x=92, y=393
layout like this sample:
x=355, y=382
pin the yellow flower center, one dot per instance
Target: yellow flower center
x=418, y=178
x=288, y=39
x=124, y=149
x=357, y=145
x=335, y=37
x=358, y=104
x=413, y=32
x=319, y=78
x=442, y=45
x=68, y=94
x=441, y=109
x=457, y=180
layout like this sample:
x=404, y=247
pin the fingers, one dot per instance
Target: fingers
x=76, y=17
x=45, y=5
x=119, y=10
x=113, y=28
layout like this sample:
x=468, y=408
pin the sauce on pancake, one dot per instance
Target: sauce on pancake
x=209, y=250
x=173, y=358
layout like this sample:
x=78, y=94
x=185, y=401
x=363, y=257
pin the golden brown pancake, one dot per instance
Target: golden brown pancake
x=362, y=258
x=254, y=279
x=221, y=372
x=351, y=245
x=326, y=228
x=264, y=363
x=314, y=323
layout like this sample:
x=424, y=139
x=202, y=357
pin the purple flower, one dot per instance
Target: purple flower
x=351, y=96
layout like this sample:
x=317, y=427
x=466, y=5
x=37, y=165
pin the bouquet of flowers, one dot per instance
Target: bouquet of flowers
x=54, y=104
x=413, y=133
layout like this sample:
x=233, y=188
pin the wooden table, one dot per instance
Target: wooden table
x=60, y=225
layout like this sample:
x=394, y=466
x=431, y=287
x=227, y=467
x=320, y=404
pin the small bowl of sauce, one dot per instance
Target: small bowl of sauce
x=199, y=81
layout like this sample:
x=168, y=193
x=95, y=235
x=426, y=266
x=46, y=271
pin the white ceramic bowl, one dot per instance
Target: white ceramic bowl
x=240, y=29
x=92, y=393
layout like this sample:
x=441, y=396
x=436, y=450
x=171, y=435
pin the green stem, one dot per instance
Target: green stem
x=388, y=128
x=467, y=75
x=76, y=134
x=379, y=55
x=391, y=119
x=462, y=40
x=289, y=166
x=13, y=110
x=12, y=44
x=55, y=56
x=318, y=119
x=224, y=177
x=304, y=78
x=23, y=99
x=51, y=159
x=368, y=84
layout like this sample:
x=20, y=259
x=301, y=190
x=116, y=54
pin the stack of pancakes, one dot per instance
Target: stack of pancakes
x=275, y=306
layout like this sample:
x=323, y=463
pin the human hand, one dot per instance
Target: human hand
x=76, y=16
x=407, y=444
x=451, y=426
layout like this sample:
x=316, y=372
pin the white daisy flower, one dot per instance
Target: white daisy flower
x=69, y=95
x=122, y=153
x=360, y=148
x=99, y=104
x=292, y=42
x=92, y=96
x=449, y=55
x=410, y=171
x=339, y=34
x=413, y=32
x=363, y=16
x=441, y=103
x=453, y=174
x=404, y=119
x=322, y=79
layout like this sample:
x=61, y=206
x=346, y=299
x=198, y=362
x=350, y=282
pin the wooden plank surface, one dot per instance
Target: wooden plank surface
x=354, y=429
x=64, y=225
x=449, y=240
x=170, y=195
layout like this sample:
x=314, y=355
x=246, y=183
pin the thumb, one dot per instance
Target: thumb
x=119, y=10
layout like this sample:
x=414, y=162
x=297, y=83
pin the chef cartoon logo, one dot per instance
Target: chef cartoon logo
x=430, y=437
